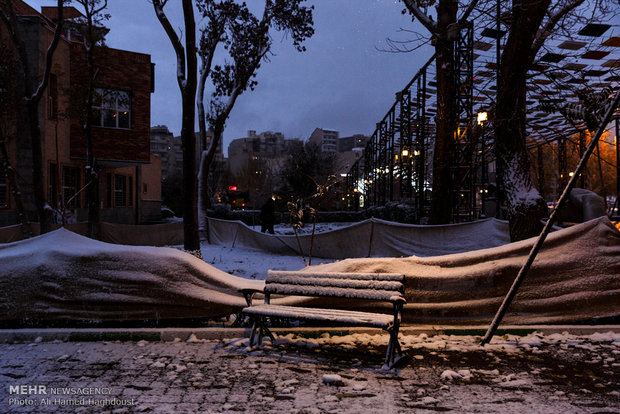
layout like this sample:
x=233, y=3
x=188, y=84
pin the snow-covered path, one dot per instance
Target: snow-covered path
x=536, y=374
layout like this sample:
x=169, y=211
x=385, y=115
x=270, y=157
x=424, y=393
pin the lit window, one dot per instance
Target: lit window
x=111, y=108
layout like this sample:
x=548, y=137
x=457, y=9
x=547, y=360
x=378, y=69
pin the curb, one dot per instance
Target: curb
x=9, y=336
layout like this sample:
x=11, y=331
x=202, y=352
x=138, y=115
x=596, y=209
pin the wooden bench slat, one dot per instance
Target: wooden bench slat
x=309, y=290
x=326, y=315
x=275, y=275
x=342, y=283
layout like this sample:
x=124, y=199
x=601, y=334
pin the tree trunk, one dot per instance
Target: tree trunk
x=206, y=161
x=188, y=137
x=525, y=205
x=38, y=185
x=92, y=180
x=445, y=120
x=15, y=191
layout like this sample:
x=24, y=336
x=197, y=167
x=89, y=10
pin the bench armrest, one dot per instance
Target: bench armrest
x=248, y=294
x=398, y=300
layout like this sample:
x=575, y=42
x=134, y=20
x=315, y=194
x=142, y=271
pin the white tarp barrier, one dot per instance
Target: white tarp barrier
x=369, y=238
x=61, y=275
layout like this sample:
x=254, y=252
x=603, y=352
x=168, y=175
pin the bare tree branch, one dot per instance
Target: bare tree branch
x=426, y=21
x=468, y=12
x=547, y=30
x=158, y=5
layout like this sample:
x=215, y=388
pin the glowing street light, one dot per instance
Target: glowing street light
x=482, y=117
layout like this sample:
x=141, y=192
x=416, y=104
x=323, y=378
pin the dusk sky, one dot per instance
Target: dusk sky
x=343, y=81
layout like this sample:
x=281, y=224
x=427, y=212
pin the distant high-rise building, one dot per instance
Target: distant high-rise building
x=170, y=148
x=163, y=144
x=266, y=145
x=354, y=141
x=326, y=139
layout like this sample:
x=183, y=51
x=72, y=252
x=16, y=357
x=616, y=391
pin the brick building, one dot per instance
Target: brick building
x=129, y=176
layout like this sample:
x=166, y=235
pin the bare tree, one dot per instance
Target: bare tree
x=187, y=64
x=532, y=23
x=92, y=30
x=247, y=41
x=34, y=86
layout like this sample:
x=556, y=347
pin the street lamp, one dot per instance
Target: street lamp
x=482, y=117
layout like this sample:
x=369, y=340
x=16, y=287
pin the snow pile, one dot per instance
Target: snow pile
x=333, y=379
x=574, y=278
x=62, y=275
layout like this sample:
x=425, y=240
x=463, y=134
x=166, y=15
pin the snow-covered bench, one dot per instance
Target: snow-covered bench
x=385, y=287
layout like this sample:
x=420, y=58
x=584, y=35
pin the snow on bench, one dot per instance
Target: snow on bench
x=384, y=287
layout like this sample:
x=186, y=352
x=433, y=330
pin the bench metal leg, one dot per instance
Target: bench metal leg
x=259, y=329
x=393, y=347
x=253, y=338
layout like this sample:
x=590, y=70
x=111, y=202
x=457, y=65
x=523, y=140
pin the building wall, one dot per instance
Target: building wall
x=255, y=148
x=151, y=180
x=119, y=70
x=63, y=141
x=326, y=139
x=354, y=141
x=150, y=192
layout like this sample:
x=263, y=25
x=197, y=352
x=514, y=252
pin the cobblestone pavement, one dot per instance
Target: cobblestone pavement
x=215, y=376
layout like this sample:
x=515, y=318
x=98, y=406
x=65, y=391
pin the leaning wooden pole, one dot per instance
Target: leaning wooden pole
x=543, y=235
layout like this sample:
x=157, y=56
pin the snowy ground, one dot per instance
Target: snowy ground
x=253, y=264
x=306, y=229
x=558, y=373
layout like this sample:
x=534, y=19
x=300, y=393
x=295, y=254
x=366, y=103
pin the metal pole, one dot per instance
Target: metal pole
x=617, y=159
x=498, y=27
x=582, y=145
x=499, y=186
x=543, y=235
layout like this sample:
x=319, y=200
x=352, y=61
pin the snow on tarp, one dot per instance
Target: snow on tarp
x=62, y=275
x=576, y=276
x=370, y=238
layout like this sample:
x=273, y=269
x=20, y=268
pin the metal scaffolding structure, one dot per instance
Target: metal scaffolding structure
x=397, y=161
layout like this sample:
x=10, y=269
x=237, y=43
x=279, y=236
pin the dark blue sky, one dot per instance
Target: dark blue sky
x=341, y=82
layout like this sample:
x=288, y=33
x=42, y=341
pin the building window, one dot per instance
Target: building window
x=120, y=191
x=4, y=192
x=71, y=179
x=52, y=98
x=111, y=108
